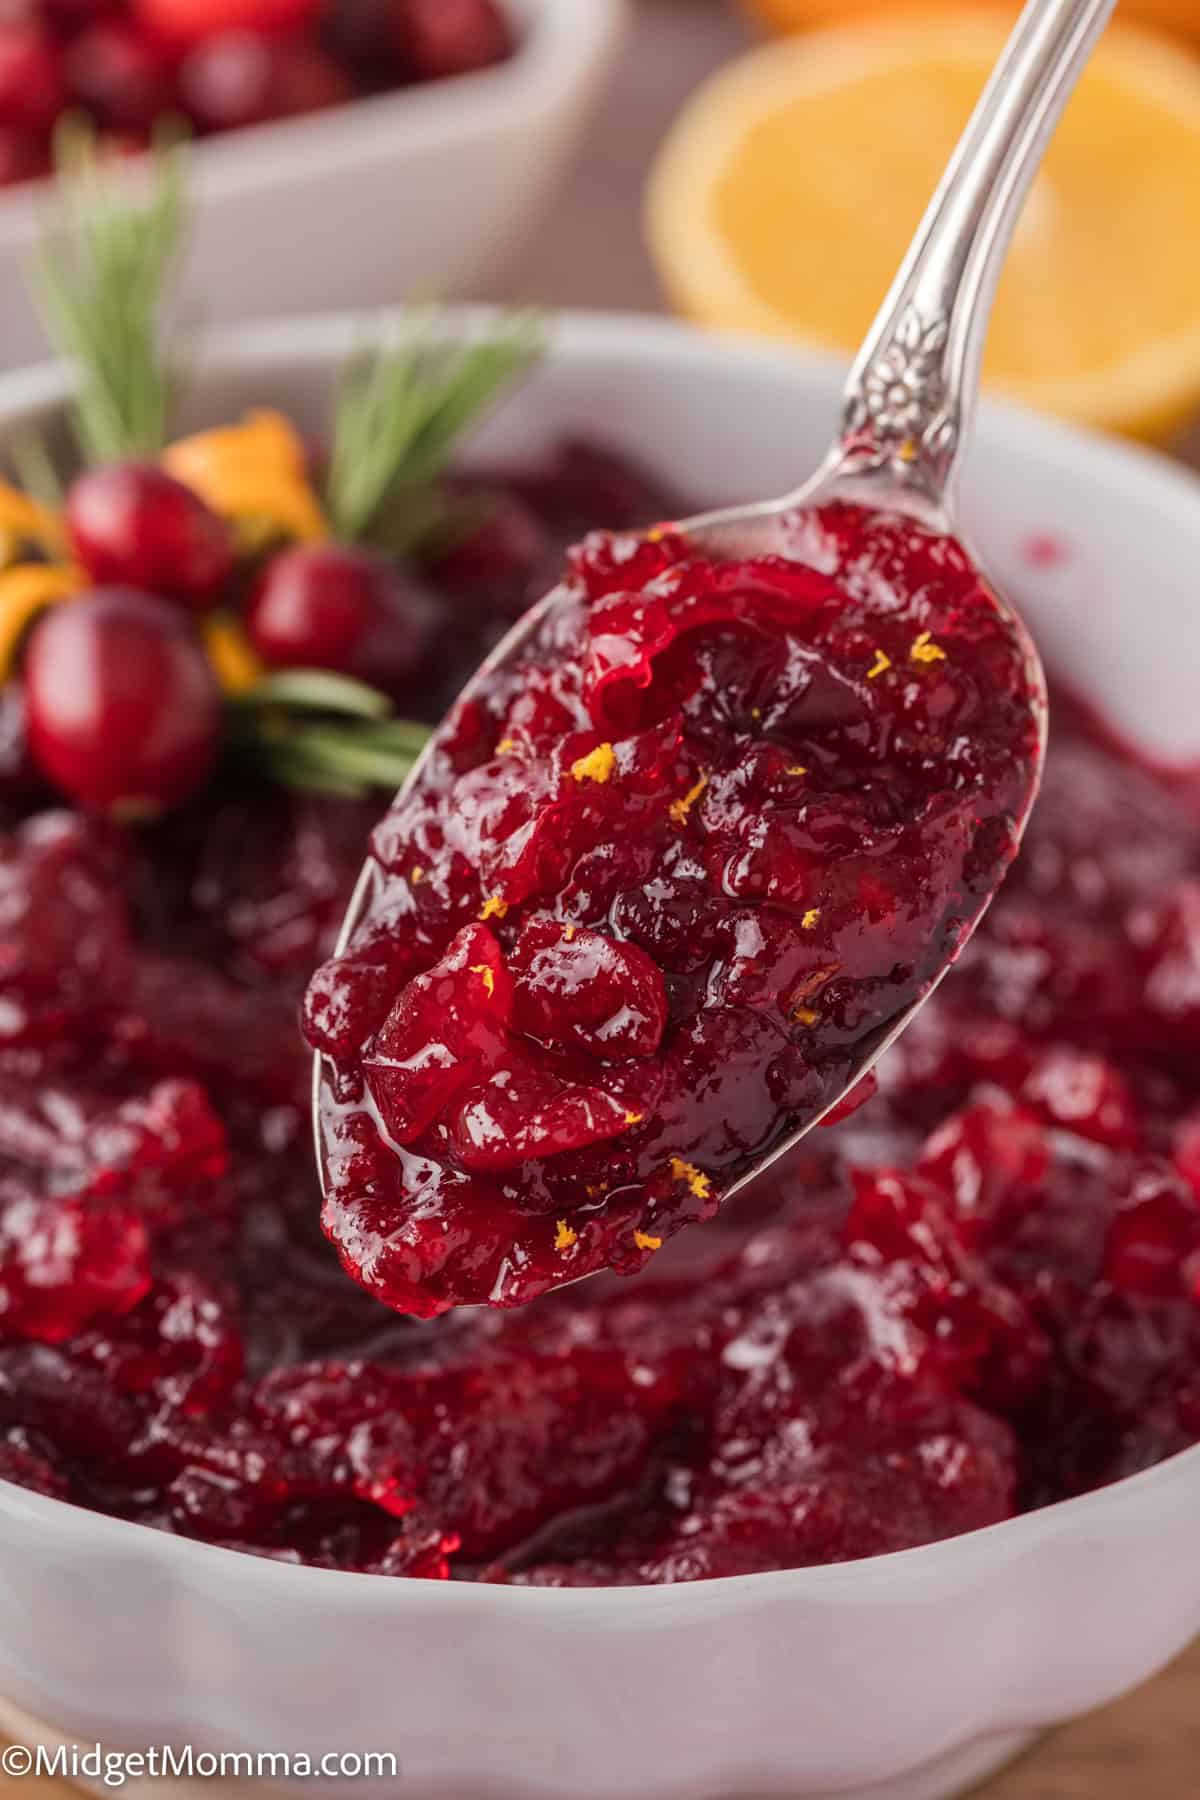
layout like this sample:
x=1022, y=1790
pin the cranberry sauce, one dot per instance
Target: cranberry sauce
x=979, y=1294
x=668, y=879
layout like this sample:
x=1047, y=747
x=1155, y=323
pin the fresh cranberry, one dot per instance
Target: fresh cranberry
x=32, y=91
x=121, y=75
x=436, y=38
x=331, y=606
x=123, y=707
x=192, y=21
x=133, y=525
x=248, y=78
x=23, y=157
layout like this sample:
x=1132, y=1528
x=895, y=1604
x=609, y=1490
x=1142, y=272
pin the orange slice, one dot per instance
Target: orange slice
x=252, y=472
x=787, y=192
x=1181, y=17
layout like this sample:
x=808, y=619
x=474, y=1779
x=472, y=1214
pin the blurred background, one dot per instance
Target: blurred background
x=754, y=164
x=793, y=144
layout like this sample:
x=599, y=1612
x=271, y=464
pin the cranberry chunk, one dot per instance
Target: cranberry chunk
x=579, y=987
x=444, y=1028
x=521, y=1114
x=1154, y=1240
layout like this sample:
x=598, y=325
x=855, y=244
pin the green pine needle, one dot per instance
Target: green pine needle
x=102, y=292
x=400, y=412
x=323, y=733
x=318, y=690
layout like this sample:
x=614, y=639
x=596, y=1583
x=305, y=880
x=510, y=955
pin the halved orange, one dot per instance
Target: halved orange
x=787, y=191
x=1181, y=17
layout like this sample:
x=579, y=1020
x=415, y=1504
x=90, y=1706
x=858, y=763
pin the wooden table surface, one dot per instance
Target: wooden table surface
x=590, y=254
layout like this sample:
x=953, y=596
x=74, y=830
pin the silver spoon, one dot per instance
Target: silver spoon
x=910, y=396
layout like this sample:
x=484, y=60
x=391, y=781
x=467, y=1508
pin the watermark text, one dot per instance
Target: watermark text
x=113, y=1768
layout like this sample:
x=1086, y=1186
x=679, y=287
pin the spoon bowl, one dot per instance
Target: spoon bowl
x=906, y=413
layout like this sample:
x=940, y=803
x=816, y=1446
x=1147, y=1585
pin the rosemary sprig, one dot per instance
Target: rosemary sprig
x=103, y=290
x=401, y=410
x=309, y=729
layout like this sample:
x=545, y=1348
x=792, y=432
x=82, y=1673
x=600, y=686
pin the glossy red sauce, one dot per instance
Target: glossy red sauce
x=977, y=1295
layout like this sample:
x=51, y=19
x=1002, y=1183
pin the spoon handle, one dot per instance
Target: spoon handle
x=913, y=386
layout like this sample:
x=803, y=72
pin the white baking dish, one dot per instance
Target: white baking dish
x=907, y=1676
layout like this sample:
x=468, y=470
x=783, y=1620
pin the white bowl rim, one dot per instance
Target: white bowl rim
x=321, y=340
x=560, y=40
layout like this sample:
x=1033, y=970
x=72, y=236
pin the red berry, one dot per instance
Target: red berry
x=32, y=93
x=329, y=606
x=132, y=524
x=450, y=37
x=121, y=75
x=23, y=157
x=123, y=708
x=191, y=21
x=247, y=78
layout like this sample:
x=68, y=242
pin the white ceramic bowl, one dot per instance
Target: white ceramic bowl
x=907, y=1676
x=425, y=191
